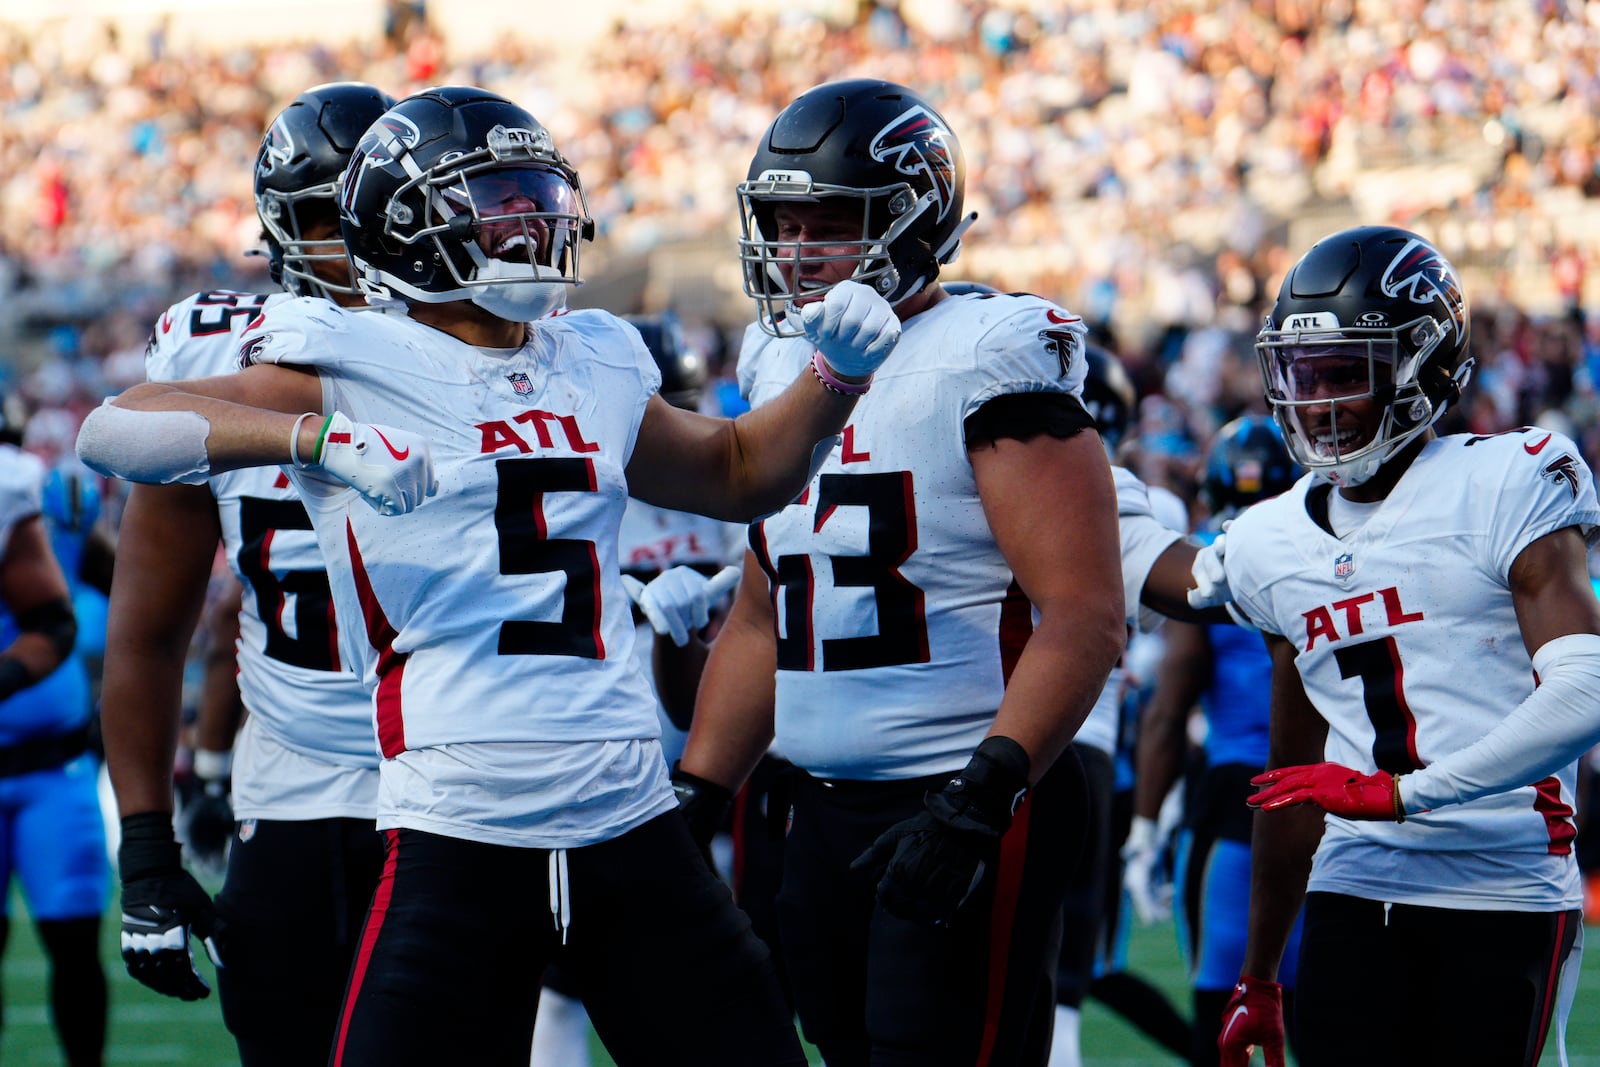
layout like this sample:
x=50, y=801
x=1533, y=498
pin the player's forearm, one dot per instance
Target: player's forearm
x=140, y=703
x=157, y=434
x=1057, y=680
x=733, y=715
x=774, y=445
x=1556, y=724
x=1281, y=846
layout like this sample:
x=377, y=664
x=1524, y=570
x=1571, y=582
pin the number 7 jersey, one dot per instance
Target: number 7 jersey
x=897, y=617
x=1409, y=646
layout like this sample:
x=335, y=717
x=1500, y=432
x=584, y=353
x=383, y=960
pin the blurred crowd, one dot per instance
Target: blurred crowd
x=1153, y=165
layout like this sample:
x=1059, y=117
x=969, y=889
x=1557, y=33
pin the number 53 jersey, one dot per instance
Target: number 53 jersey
x=1409, y=646
x=897, y=617
x=292, y=677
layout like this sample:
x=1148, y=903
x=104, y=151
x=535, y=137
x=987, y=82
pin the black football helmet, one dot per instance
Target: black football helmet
x=876, y=146
x=1370, y=312
x=456, y=193
x=1108, y=395
x=297, y=170
x=683, y=370
x=1248, y=461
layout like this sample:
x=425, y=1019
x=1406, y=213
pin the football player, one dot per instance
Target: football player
x=1414, y=590
x=1226, y=671
x=670, y=563
x=305, y=860
x=519, y=737
x=52, y=834
x=940, y=608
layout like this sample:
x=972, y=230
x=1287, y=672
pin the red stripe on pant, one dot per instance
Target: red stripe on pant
x=1002, y=917
x=1552, y=984
x=369, y=938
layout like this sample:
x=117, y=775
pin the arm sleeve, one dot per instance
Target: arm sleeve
x=1557, y=724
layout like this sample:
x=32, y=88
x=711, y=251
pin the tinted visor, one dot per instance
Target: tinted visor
x=521, y=212
x=1334, y=369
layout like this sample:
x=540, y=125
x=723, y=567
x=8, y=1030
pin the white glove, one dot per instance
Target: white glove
x=853, y=327
x=1210, y=578
x=678, y=601
x=1152, y=900
x=391, y=469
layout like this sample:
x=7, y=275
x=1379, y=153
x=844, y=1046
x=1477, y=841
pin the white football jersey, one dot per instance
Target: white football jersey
x=898, y=619
x=302, y=697
x=1409, y=647
x=495, y=629
x=1144, y=537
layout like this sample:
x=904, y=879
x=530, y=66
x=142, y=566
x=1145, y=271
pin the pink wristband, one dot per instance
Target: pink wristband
x=832, y=382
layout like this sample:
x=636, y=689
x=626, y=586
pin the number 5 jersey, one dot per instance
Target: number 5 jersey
x=1408, y=645
x=491, y=623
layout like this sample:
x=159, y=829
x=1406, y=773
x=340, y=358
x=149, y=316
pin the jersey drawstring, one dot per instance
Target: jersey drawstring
x=560, y=892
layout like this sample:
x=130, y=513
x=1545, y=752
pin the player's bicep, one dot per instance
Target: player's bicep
x=1551, y=589
x=1298, y=733
x=680, y=458
x=1052, y=510
x=30, y=577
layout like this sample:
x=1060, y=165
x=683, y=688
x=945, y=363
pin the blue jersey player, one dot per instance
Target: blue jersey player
x=1226, y=670
x=52, y=834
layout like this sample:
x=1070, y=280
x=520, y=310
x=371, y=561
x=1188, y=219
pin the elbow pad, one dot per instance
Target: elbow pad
x=153, y=447
x=53, y=620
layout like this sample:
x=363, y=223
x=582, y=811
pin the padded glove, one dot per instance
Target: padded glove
x=162, y=905
x=853, y=327
x=391, y=469
x=1254, y=1016
x=705, y=805
x=927, y=866
x=1210, y=579
x=1335, y=789
x=678, y=601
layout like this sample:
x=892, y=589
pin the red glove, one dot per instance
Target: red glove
x=1337, y=790
x=1254, y=1016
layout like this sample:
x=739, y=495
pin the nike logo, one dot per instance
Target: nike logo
x=1240, y=1010
x=1534, y=450
x=397, y=455
x=1054, y=316
x=166, y=322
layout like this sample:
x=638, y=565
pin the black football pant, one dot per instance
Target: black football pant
x=459, y=933
x=872, y=989
x=293, y=901
x=1406, y=985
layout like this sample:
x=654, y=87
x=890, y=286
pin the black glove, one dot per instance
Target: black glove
x=161, y=905
x=927, y=866
x=208, y=824
x=705, y=806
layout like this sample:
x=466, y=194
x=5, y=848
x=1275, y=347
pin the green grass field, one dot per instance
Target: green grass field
x=149, y=1029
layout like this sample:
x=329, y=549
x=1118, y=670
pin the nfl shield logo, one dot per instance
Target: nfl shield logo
x=1344, y=566
x=521, y=383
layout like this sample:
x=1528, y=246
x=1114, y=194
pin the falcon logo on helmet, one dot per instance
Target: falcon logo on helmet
x=1422, y=274
x=390, y=136
x=278, y=147
x=916, y=142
